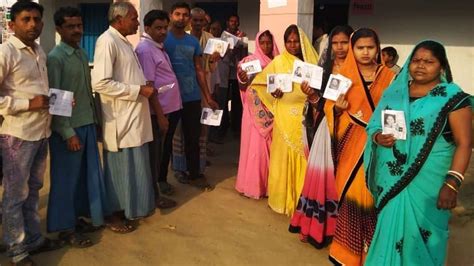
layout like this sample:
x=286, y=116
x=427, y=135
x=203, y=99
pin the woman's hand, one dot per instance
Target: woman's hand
x=341, y=103
x=244, y=79
x=386, y=140
x=447, y=198
x=277, y=94
x=306, y=89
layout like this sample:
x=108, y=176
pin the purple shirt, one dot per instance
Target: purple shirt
x=157, y=68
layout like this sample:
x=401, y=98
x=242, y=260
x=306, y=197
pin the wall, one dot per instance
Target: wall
x=403, y=23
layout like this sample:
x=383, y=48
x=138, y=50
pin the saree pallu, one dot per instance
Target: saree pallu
x=405, y=180
x=287, y=160
x=356, y=218
x=316, y=212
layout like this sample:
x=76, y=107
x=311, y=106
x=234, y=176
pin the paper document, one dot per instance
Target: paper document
x=337, y=84
x=231, y=38
x=393, y=122
x=251, y=67
x=211, y=117
x=165, y=88
x=60, y=102
x=313, y=74
x=279, y=81
x=216, y=45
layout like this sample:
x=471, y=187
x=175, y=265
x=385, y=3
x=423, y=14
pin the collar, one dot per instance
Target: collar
x=69, y=50
x=114, y=31
x=18, y=43
x=147, y=37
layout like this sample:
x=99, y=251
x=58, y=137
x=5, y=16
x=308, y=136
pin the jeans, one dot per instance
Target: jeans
x=24, y=163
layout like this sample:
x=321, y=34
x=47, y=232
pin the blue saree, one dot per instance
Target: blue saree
x=405, y=180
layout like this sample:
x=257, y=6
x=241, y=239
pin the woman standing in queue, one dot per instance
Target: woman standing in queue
x=316, y=213
x=287, y=159
x=415, y=182
x=257, y=124
x=356, y=213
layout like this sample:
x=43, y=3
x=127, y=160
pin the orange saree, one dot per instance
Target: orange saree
x=356, y=221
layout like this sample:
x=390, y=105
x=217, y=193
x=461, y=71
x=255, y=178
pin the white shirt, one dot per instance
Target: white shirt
x=23, y=76
x=117, y=77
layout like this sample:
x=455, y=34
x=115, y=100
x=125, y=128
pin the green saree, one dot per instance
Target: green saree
x=405, y=180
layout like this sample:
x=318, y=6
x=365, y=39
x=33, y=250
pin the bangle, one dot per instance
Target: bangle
x=374, y=137
x=457, y=174
x=451, y=187
x=455, y=178
x=313, y=101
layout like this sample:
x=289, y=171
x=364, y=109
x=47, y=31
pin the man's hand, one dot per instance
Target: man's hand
x=73, y=143
x=163, y=124
x=146, y=91
x=39, y=102
x=212, y=104
x=216, y=56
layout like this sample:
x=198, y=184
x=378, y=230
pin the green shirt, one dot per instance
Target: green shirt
x=68, y=69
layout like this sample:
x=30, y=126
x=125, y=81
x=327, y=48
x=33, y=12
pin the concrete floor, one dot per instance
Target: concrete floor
x=223, y=228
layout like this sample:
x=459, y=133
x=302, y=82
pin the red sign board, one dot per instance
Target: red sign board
x=362, y=7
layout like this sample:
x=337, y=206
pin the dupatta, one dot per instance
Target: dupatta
x=263, y=119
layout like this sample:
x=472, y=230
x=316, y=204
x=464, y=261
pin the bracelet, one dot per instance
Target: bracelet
x=374, y=137
x=455, y=178
x=451, y=187
x=313, y=101
x=457, y=174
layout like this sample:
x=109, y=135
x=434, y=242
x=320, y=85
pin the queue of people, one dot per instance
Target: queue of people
x=372, y=198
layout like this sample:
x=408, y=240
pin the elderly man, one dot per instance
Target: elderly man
x=118, y=78
x=24, y=132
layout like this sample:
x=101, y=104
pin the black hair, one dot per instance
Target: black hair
x=266, y=33
x=367, y=33
x=327, y=60
x=234, y=15
x=180, y=5
x=22, y=5
x=63, y=12
x=153, y=15
x=291, y=29
x=438, y=51
x=391, y=51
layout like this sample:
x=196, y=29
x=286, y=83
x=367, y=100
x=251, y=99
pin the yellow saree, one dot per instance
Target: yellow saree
x=287, y=159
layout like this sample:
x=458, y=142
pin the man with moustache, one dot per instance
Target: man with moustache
x=118, y=78
x=24, y=133
x=185, y=55
x=77, y=183
x=166, y=104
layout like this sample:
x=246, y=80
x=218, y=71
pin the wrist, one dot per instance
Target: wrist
x=374, y=137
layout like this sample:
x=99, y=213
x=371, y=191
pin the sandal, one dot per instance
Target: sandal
x=201, y=183
x=83, y=226
x=165, y=203
x=166, y=188
x=48, y=245
x=75, y=239
x=26, y=261
x=182, y=177
x=120, y=227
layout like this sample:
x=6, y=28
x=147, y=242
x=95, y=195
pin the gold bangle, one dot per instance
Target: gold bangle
x=451, y=187
x=374, y=137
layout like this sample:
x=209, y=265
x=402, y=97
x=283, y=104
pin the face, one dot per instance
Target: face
x=340, y=45
x=157, y=30
x=266, y=44
x=180, y=18
x=390, y=120
x=27, y=25
x=365, y=51
x=293, y=45
x=129, y=24
x=71, y=30
x=198, y=22
x=425, y=67
x=216, y=29
x=233, y=23
x=386, y=58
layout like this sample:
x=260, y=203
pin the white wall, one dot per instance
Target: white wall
x=404, y=23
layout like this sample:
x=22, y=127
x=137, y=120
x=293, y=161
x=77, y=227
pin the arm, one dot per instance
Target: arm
x=201, y=77
x=460, y=123
x=102, y=74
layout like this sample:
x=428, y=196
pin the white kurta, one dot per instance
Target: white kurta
x=117, y=77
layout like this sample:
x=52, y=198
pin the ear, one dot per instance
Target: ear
x=11, y=25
